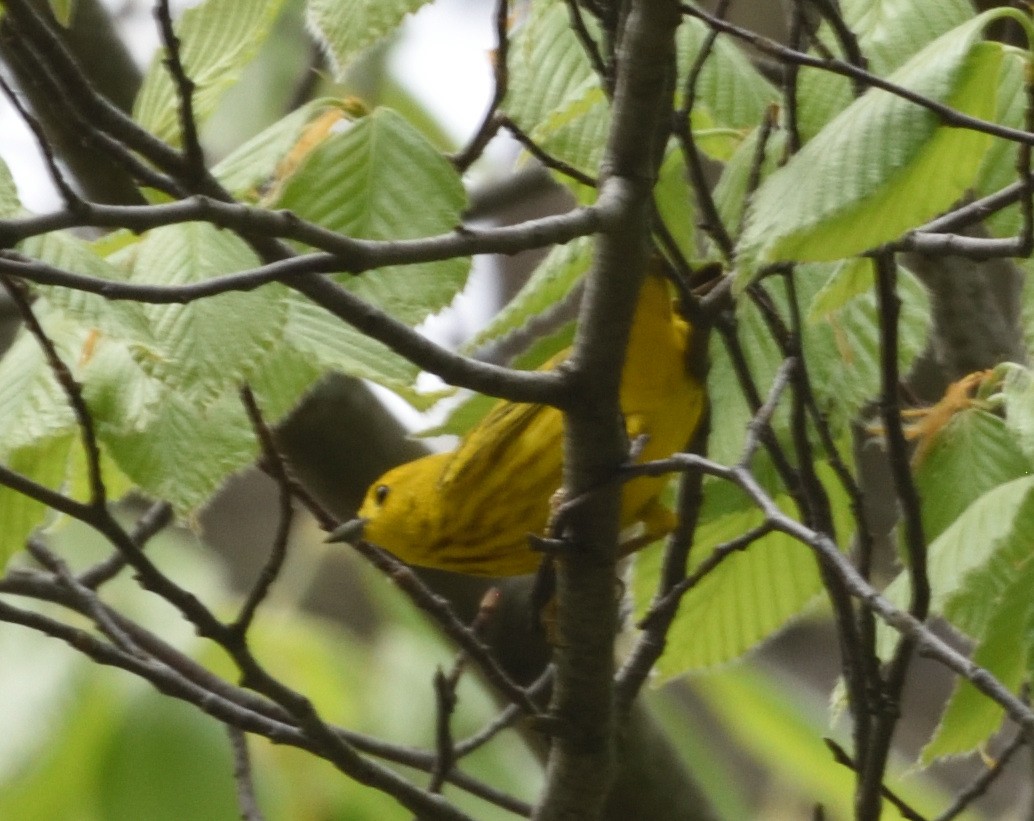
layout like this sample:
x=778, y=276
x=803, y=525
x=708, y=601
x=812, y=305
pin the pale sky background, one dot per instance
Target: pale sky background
x=443, y=57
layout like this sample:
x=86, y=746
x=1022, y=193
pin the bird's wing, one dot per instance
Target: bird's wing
x=492, y=442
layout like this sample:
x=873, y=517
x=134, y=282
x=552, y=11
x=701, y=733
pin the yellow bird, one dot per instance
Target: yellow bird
x=471, y=510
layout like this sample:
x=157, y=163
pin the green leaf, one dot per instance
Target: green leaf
x=549, y=69
x=850, y=279
x=674, y=199
x=842, y=348
x=1017, y=393
x=725, y=442
x=731, y=191
x=971, y=604
x=167, y=442
x=730, y=92
x=183, y=453
x=121, y=395
x=548, y=285
x=348, y=27
x=284, y=377
x=334, y=345
x=10, y=205
x=253, y=165
x=783, y=730
x=889, y=32
x=974, y=559
x=971, y=718
x=841, y=351
x=63, y=10
x=554, y=94
x=576, y=133
x=219, y=38
x=70, y=253
x=43, y=462
x=750, y=595
x=352, y=184
x=202, y=348
x=972, y=454
x=33, y=408
x=999, y=167
x=77, y=477
x=883, y=165
x=821, y=96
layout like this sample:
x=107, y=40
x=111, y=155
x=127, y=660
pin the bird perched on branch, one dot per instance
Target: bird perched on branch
x=472, y=510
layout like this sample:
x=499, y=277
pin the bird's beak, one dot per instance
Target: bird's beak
x=350, y=531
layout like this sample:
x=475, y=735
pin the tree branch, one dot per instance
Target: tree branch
x=581, y=760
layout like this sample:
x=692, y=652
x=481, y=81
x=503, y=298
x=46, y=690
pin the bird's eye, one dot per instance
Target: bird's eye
x=380, y=493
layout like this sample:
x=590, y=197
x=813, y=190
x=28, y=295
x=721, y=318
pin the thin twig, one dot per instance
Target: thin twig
x=157, y=517
x=949, y=116
x=762, y=418
x=490, y=123
x=351, y=255
x=86, y=597
x=193, y=154
x=670, y=601
x=841, y=757
x=649, y=646
x=167, y=681
x=1023, y=171
x=675, y=584
x=589, y=46
x=99, y=117
x=507, y=717
x=860, y=644
x=53, y=67
x=966, y=215
x=791, y=73
x=845, y=37
x=445, y=685
x=445, y=705
x=72, y=389
x=243, y=777
x=544, y=156
x=674, y=256
x=181, y=677
x=277, y=469
x=306, y=85
x=72, y=200
x=682, y=127
x=857, y=659
x=521, y=386
x=885, y=721
x=440, y=610
x=978, y=249
x=757, y=163
x=749, y=388
x=41, y=493
x=983, y=782
x=903, y=622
